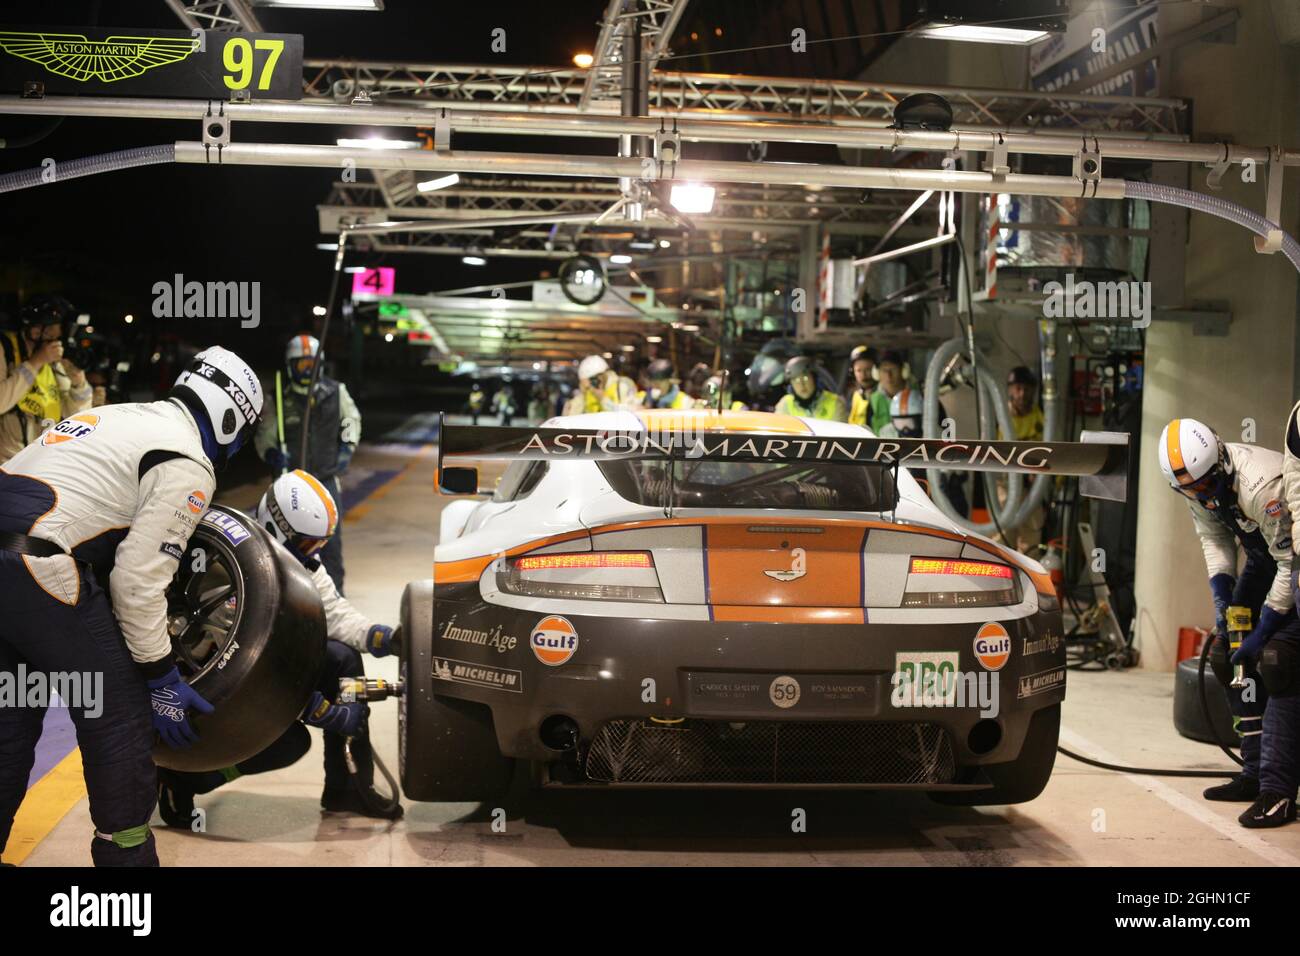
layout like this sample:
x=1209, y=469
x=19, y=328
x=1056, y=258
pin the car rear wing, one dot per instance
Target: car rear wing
x=1100, y=460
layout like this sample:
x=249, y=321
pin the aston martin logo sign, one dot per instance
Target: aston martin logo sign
x=81, y=59
x=139, y=62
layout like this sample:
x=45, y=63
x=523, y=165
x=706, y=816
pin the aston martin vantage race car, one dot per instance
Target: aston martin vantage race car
x=733, y=599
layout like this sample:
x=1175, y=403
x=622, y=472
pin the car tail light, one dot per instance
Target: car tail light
x=953, y=582
x=583, y=575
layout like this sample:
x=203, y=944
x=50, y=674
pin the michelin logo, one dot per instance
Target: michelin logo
x=232, y=530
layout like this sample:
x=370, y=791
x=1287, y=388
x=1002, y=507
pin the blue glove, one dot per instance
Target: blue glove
x=345, y=459
x=345, y=719
x=1269, y=621
x=1221, y=586
x=171, y=697
x=277, y=459
x=379, y=640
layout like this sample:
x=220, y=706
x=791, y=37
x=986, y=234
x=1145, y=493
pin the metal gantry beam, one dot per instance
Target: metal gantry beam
x=842, y=102
x=658, y=19
x=738, y=206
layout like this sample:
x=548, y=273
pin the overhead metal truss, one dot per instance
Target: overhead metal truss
x=222, y=16
x=658, y=19
x=842, y=102
x=738, y=208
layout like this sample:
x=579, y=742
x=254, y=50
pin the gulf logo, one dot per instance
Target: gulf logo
x=554, y=641
x=196, y=502
x=78, y=426
x=992, y=646
x=1273, y=509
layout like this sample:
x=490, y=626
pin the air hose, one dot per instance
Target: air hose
x=376, y=806
x=88, y=166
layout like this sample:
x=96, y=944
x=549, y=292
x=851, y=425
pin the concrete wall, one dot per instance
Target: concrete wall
x=1247, y=91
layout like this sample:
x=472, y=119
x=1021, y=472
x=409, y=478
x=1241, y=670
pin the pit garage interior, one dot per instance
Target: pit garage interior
x=452, y=209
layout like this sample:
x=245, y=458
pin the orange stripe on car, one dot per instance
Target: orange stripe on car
x=707, y=420
x=757, y=614
x=769, y=563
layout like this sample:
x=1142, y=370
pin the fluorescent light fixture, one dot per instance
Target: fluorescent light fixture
x=692, y=197
x=665, y=244
x=318, y=310
x=353, y=270
x=690, y=328
x=442, y=182
x=647, y=244
x=980, y=33
x=379, y=142
x=628, y=348
x=372, y=5
x=654, y=339
x=473, y=260
x=327, y=246
x=583, y=60
x=619, y=259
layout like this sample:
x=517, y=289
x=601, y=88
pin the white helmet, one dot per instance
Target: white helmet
x=300, y=356
x=592, y=366
x=1192, y=458
x=222, y=387
x=300, y=512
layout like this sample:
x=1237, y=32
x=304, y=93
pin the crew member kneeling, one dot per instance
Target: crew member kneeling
x=301, y=514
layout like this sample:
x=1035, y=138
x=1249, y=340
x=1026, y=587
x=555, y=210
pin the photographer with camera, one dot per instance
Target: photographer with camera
x=38, y=385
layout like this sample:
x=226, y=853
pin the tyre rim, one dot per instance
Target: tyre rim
x=204, y=606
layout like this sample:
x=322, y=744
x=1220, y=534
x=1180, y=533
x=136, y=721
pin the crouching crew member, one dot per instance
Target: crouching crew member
x=1235, y=495
x=300, y=513
x=94, y=518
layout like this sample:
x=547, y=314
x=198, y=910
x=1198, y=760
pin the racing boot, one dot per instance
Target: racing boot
x=1269, y=810
x=1240, y=789
x=175, y=800
x=362, y=799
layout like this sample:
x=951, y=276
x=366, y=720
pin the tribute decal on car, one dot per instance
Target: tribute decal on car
x=554, y=641
x=480, y=675
x=992, y=646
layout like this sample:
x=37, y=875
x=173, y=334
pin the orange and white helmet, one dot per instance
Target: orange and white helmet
x=1192, y=459
x=300, y=512
x=300, y=356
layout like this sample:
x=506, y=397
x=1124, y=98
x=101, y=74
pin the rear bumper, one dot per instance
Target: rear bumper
x=721, y=679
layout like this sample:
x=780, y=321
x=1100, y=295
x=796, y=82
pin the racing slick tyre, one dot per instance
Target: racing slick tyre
x=1021, y=779
x=248, y=631
x=447, y=747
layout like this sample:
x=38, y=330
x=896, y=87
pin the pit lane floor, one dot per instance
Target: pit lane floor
x=1086, y=816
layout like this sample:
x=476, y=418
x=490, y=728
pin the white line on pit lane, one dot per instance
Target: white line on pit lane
x=1225, y=827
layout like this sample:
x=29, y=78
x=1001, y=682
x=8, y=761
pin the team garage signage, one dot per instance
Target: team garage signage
x=134, y=62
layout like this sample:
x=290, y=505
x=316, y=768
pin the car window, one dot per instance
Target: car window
x=519, y=480
x=738, y=484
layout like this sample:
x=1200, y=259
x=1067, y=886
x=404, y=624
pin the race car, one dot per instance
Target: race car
x=728, y=599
